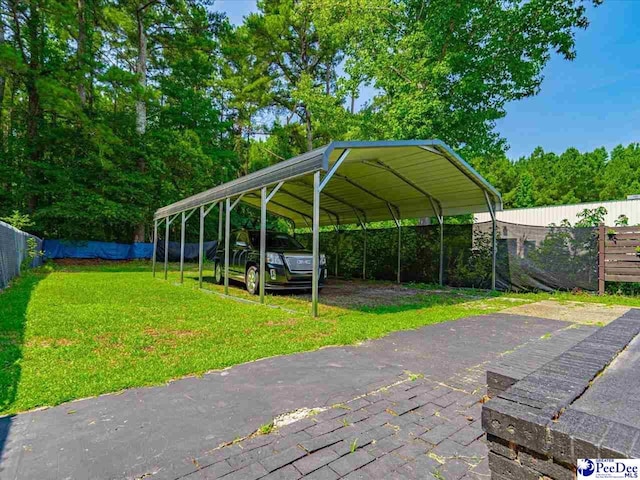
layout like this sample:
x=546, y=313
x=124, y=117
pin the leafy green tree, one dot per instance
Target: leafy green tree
x=622, y=221
x=545, y=178
x=447, y=69
x=297, y=64
x=112, y=110
x=591, y=217
x=18, y=220
x=622, y=175
x=523, y=197
x=282, y=143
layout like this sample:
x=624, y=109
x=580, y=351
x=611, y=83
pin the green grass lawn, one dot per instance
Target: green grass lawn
x=73, y=332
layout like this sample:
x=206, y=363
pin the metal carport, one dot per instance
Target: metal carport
x=344, y=183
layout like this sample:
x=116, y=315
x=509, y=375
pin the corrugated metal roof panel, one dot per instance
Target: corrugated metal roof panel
x=301, y=165
x=402, y=173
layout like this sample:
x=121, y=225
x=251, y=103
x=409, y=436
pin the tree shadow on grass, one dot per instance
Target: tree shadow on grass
x=14, y=303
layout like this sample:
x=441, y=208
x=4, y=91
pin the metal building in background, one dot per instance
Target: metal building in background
x=545, y=216
x=345, y=183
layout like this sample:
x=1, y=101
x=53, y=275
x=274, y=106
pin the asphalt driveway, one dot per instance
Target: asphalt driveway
x=160, y=432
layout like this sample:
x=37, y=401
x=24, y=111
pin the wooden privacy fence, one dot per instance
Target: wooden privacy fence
x=618, y=256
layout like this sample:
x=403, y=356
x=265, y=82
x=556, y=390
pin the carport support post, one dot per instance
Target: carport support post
x=363, y=227
x=227, y=234
x=437, y=210
x=263, y=241
x=441, y=272
x=264, y=199
x=337, y=249
x=220, y=213
x=201, y=247
x=494, y=245
x=315, y=244
x=166, y=248
x=182, y=223
x=203, y=216
x=155, y=246
x=399, y=250
x=364, y=256
x=396, y=218
x=494, y=242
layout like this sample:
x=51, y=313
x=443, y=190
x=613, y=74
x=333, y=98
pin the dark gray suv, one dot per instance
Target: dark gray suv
x=289, y=264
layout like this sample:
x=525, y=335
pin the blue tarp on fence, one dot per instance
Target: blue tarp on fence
x=103, y=250
x=122, y=251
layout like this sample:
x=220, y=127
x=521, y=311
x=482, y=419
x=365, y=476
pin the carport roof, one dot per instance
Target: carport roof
x=411, y=178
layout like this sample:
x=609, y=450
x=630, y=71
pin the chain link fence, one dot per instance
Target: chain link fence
x=13, y=251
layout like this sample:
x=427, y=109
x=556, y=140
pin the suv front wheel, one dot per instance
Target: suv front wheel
x=252, y=280
x=219, y=275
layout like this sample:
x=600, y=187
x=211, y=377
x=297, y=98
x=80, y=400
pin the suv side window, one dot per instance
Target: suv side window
x=242, y=240
x=232, y=239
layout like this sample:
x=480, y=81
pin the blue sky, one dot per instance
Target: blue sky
x=590, y=102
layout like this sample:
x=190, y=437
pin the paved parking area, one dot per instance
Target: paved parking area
x=424, y=425
x=416, y=428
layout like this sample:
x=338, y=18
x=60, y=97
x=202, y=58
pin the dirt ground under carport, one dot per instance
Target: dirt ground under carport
x=363, y=294
x=373, y=293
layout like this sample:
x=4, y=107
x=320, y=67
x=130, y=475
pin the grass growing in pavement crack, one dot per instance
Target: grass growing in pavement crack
x=266, y=429
x=437, y=475
x=414, y=376
x=354, y=445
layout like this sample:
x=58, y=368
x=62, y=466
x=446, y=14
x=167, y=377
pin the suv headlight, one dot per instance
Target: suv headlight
x=323, y=259
x=274, y=258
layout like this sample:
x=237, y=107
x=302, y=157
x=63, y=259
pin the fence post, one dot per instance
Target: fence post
x=601, y=259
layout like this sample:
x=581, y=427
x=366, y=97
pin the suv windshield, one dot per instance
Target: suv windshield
x=276, y=240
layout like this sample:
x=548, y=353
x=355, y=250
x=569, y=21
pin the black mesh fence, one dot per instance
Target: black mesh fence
x=528, y=258
x=546, y=258
x=191, y=251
